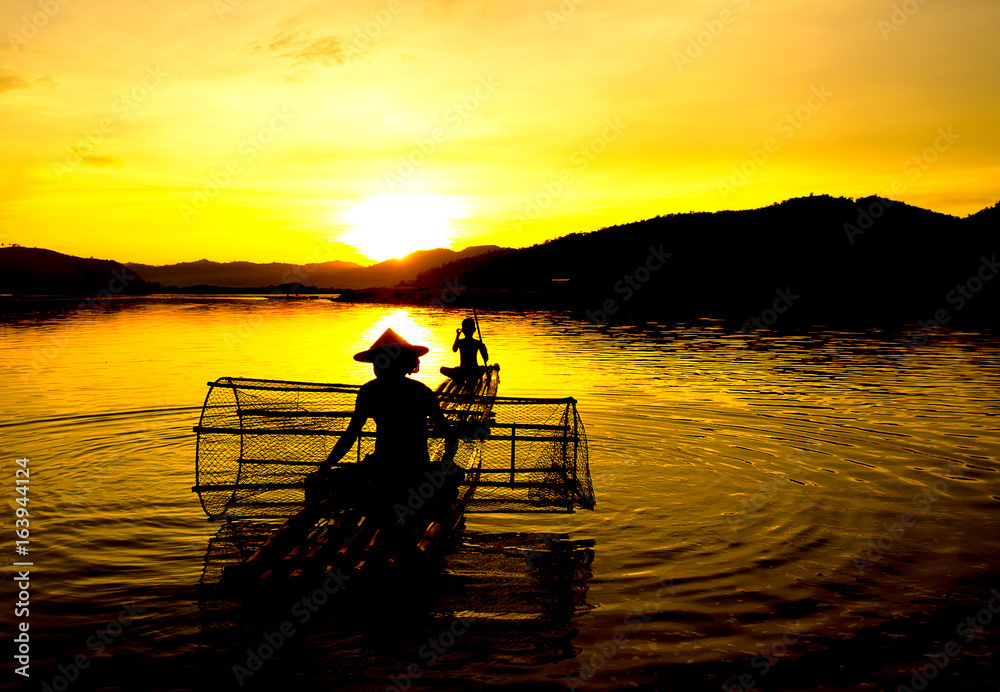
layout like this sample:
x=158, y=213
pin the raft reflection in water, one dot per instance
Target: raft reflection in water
x=501, y=602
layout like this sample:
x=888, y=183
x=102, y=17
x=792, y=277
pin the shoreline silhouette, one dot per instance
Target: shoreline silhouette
x=868, y=262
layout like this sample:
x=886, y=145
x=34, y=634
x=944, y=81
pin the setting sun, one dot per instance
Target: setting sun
x=394, y=225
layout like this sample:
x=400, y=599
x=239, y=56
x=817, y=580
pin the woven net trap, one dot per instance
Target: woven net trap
x=258, y=440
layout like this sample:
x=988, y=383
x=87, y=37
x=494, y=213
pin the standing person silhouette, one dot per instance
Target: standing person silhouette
x=401, y=408
x=469, y=348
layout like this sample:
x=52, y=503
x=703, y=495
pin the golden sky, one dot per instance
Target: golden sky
x=165, y=131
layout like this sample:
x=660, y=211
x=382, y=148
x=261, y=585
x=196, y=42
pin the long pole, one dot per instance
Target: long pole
x=476, y=318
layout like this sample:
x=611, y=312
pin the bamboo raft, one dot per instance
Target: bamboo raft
x=259, y=440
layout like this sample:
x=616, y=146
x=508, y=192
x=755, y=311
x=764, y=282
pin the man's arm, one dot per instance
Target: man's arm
x=458, y=335
x=345, y=442
x=349, y=437
x=486, y=356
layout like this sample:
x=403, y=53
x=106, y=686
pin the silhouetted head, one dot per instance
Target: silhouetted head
x=393, y=356
x=468, y=326
x=393, y=363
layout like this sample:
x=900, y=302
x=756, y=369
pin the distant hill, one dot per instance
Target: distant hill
x=394, y=271
x=870, y=261
x=34, y=271
x=335, y=274
x=242, y=274
x=809, y=260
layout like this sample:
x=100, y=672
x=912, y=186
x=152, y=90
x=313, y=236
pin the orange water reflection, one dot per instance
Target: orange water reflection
x=750, y=477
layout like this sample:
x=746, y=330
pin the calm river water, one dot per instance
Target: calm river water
x=819, y=511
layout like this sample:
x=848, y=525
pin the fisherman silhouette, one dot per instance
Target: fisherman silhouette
x=401, y=408
x=468, y=348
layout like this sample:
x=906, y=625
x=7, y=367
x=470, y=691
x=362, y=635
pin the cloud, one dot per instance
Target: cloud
x=10, y=81
x=297, y=45
x=303, y=50
x=46, y=83
x=100, y=161
x=328, y=51
x=103, y=161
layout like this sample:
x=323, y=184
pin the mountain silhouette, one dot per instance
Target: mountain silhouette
x=871, y=261
x=336, y=274
x=242, y=274
x=809, y=260
x=35, y=271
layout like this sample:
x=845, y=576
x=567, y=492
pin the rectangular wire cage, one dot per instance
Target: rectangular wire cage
x=258, y=440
